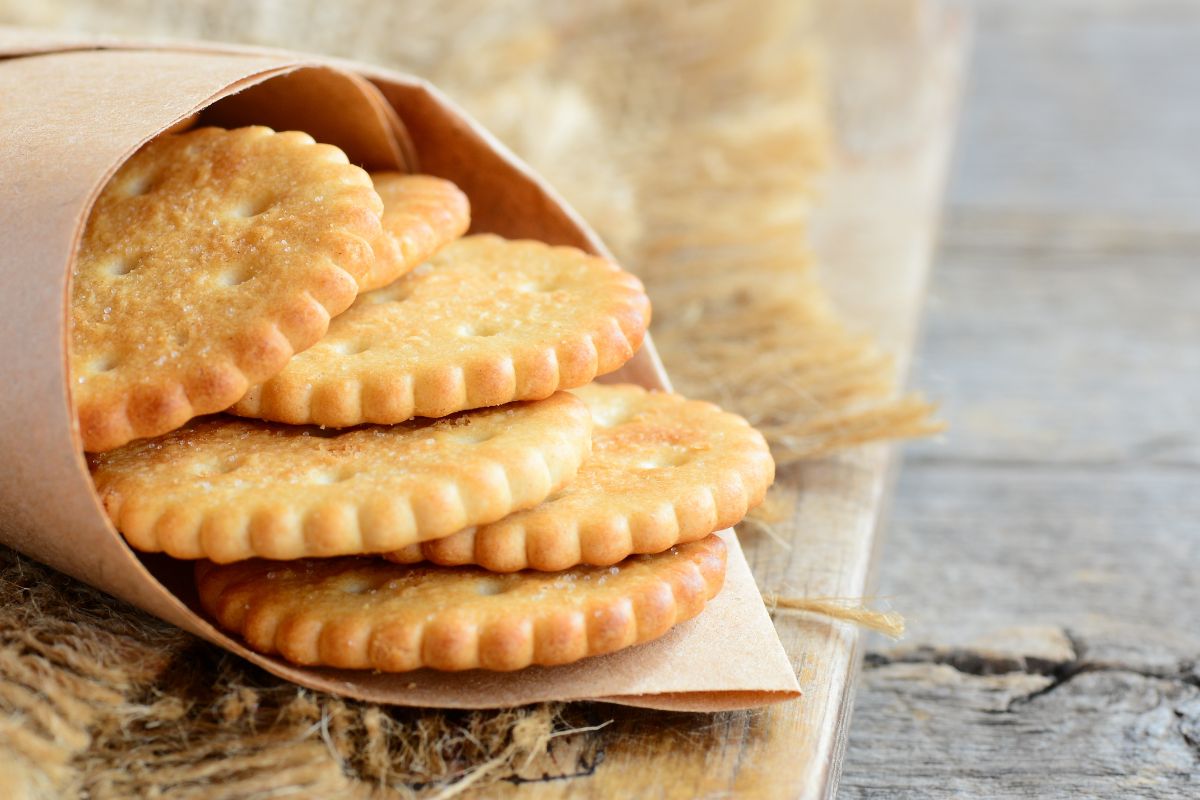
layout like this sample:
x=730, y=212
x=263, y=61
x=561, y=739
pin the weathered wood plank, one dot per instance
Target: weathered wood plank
x=1065, y=339
x=1061, y=508
x=966, y=723
x=978, y=547
x=1083, y=106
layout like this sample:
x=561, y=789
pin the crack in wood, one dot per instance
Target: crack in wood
x=972, y=661
x=984, y=663
x=1094, y=715
x=967, y=661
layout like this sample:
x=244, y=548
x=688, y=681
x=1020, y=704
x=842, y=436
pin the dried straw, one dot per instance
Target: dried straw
x=842, y=609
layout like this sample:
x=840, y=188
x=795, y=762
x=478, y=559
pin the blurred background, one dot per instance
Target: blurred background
x=1045, y=550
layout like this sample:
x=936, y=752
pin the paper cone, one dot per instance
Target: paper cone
x=70, y=114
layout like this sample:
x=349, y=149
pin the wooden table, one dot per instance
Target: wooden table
x=1046, y=551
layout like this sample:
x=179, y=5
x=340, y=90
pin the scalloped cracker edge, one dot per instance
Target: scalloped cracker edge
x=663, y=470
x=228, y=489
x=421, y=215
x=207, y=262
x=485, y=322
x=373, y=614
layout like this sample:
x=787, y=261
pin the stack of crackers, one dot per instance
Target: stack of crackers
x=356, y=418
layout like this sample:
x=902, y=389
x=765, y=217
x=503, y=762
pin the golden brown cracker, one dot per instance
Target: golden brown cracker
x=228, y=489
x=485, y=322
x=207, y=261
x=360, y=613
x=663, y=470
x=421, y=215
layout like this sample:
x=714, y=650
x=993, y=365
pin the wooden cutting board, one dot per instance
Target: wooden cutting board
x=895, y=78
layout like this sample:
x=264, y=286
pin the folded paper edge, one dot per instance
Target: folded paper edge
x=703, y=702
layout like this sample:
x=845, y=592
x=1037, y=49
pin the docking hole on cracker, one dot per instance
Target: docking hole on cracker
x=484, y=322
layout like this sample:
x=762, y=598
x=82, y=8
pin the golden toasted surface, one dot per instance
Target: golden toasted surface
x=360, y=613
x=485, y=322
x=663, y=470
x=421, y=215
x=208, y=260
x=229, y=489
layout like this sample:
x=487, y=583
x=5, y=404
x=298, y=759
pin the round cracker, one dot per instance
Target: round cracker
x=421, y=215
x=663, y=470
x=485, y=322
x=207, y=261
x=357, y=613
x=228, y=489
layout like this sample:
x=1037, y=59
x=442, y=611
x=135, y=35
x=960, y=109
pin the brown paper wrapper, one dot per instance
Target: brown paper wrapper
x=73, y=110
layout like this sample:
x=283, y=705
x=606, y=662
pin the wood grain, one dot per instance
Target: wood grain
x=1045, y=551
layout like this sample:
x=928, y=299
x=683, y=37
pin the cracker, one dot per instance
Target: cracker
x=485, y=322
x=357, y=613
x=228, y=489
x=663, y=470
x=421, y=215
x=208, y=260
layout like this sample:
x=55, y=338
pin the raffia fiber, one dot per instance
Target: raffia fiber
x=694, y=140
x=843, y=609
